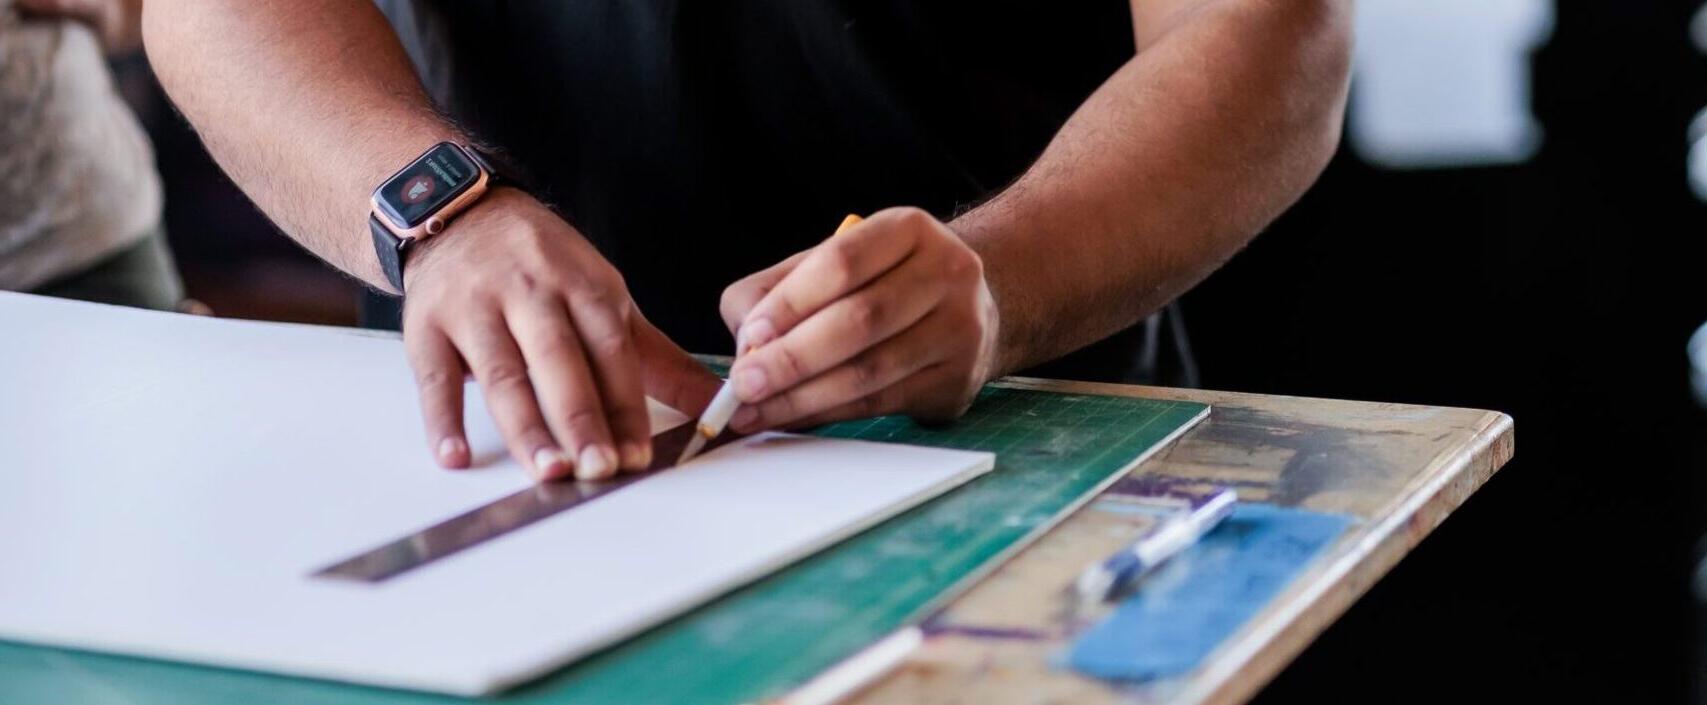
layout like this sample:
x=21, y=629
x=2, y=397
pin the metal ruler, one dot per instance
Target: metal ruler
x=501, y=516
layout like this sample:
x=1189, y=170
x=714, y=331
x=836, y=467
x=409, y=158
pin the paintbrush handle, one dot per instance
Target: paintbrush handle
x=1175, y=535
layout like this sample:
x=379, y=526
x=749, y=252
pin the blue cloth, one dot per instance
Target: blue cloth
x=1185, y=609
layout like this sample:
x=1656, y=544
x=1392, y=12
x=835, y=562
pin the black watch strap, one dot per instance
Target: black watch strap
x=499, y=171
x=391, y=250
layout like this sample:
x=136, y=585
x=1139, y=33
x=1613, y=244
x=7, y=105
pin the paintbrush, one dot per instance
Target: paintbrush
x=1176, y=534
x=723, y=406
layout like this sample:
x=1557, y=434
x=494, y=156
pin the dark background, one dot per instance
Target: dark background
x=1560, y=291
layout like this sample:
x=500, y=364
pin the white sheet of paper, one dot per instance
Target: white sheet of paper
x=168, y=483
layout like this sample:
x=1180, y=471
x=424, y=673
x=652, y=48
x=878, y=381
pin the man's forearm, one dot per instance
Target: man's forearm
x=307, y=104
x=1169, y=168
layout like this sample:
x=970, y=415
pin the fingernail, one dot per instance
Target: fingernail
x=597, y=462
x=452, y=450
x=549, y=463
x=636, y=456
x=756, y=333
x=744, y=418
x=750, y=383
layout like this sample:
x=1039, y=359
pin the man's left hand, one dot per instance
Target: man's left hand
x=893, y=316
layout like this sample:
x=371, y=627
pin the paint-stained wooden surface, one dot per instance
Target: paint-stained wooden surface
x=1399, y=469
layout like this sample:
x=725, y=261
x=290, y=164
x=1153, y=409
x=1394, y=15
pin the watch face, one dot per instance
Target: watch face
x=425, y=186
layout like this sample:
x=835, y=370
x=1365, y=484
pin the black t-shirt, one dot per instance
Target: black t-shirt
x=697, y=142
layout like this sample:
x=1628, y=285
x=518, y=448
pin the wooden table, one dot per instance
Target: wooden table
x=1399, y=469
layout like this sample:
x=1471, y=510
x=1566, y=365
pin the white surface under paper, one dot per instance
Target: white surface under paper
x=168, y=483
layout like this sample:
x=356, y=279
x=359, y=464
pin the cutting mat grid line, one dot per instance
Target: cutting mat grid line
x=758, y=641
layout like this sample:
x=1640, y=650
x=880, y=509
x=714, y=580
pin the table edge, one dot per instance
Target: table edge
x=1270, y=642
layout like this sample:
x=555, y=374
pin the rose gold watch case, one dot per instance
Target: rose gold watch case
x=435, y=223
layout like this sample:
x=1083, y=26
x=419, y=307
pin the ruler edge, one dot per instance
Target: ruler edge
x=597, y=490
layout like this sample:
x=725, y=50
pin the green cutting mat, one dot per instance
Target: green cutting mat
x=1053, y=451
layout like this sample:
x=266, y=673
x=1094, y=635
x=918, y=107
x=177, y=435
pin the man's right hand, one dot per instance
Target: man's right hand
x=513, y=294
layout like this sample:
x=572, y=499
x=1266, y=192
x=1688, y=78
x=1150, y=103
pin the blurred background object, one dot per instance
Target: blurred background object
x=1560, y=288
x=1451, y=255
x=1445, y=83
x=79, y=194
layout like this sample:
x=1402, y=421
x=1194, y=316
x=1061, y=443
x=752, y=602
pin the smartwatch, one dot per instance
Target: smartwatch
x=420, y=199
